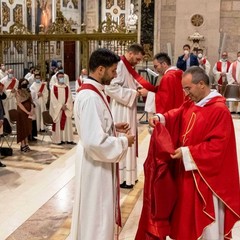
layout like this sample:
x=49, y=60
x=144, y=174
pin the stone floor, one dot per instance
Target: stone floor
x=37, y=191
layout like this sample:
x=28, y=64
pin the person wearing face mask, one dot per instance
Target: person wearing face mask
x=234, y=78
x=25, y=114
x=61, y=111
x=10, y=86
x=169, y=93
x=39, y=94
x=54, y=80
x=124, y=91
x=3, y=71
x=203, y=62
x=79, y=81
x=187, y=60
x=220, y=71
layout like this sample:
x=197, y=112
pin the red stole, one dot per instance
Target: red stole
x=137, y=76
x=41, y=88
x=12, y=84
x=79, y=82
x=219, y=69
x=63, y=117
x=117, y=209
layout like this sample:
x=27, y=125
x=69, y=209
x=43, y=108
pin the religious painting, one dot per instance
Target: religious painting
x=43, y=15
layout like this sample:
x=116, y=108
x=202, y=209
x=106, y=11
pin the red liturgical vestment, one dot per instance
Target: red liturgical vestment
x=159, y=187
x=208, y=132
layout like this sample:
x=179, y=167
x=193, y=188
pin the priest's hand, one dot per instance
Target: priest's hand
x=143, y=92
x=64, y=107
x=153, y=120
x=177, y=154
x=122, y=127
x=131, y=139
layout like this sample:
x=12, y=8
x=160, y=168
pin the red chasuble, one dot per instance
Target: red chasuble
x=209, y=133
x=169, y=93
x=159, y=188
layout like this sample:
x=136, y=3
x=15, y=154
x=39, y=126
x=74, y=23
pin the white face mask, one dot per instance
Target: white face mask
x=186, y=52
x=200, y=55
x=61, y=80
x=10, y=75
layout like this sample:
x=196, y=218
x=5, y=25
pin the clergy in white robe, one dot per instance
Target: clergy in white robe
x=39, y=94
x=220, y=71
x=123, y=92
x=54, y=80
x=3, y=71
x=79, y=81
x=98, y=152
x=10, y=86
x=234, y=78
x=61, y=111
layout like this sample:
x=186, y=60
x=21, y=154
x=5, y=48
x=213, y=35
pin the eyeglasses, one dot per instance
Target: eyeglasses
x=159, y=63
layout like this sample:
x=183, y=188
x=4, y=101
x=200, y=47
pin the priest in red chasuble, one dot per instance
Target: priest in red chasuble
x=206, y=169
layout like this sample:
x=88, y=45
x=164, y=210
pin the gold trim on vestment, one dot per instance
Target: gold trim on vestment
x=225, y=236
x=189, y=127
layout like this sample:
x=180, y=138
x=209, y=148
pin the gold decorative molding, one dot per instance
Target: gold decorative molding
x=18, y=28
x=5, y=14
x=110, y=26
x=18, y=14
x=11, y=1
x=60, y=26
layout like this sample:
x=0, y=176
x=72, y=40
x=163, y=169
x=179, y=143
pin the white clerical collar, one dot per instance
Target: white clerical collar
x=211, y=95
x=95, y=83
x=171, y=68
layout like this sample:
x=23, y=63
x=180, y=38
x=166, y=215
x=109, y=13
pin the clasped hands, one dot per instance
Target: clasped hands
x=124, y=127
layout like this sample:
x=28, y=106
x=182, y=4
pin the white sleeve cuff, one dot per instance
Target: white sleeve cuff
x=162, y=118
x=188, y=162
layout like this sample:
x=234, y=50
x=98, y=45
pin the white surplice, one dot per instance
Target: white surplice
x=234, y=106
x=98, y=151
x=123, y=93
x=10, y=102
x=55, y=111
x=40, y=102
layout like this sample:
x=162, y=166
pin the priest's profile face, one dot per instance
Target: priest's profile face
x=135, y=58
x=108, y=74
x=195, y=91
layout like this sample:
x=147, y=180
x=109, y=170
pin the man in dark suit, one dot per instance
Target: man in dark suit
x=187, y=60
x=2, y=96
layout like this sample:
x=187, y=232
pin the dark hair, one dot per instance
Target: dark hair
x=163, y=57
x=186, y=45
x=198, y=74
x=136, y=48
x=102, y=57
x=21, y=81
x=37, y=74
x=58, y=73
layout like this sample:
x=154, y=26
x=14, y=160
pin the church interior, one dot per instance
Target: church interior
x=37, y=188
